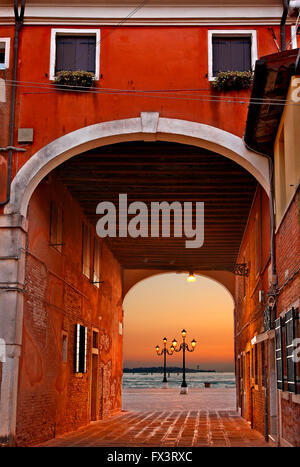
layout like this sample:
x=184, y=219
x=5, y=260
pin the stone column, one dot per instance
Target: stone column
x=13, y=231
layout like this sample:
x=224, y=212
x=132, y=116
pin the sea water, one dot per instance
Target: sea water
x=194, y=380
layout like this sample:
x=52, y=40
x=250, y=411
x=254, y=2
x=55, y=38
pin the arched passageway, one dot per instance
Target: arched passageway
x=62, y=287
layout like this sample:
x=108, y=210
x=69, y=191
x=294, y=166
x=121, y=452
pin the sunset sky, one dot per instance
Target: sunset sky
x=161, y=306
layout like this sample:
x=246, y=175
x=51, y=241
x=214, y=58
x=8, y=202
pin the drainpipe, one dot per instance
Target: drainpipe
x=266, y=414
x=19, y=16
x=286, y=4
x=272, y=224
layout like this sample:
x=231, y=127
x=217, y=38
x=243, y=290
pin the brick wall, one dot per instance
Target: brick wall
x=290, y=419
x=288, y=263
x=288, y=256
x=255, y=251
x=53, y=399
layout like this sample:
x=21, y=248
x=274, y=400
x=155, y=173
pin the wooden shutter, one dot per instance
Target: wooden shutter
x=74, y=53
x=231, y=54
x=2, y=53
x=221, y=56
x=96, y=268
x=290, y=364
x=240, y=52
x=56, y=226
x=279, y=354
x=65, y=53
x=80, y=348
x=85, y=53
x=86, y=251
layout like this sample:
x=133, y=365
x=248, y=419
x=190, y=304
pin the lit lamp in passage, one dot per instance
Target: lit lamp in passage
x=191, y=277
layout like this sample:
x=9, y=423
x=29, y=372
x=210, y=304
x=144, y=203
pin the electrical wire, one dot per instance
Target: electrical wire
x=135, y=91
x=149, y=93
x=132, y=13
x=163, y=94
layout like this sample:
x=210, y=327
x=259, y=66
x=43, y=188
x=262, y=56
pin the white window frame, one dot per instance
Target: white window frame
x=231, y=33
x=73, y=32
x=294, y=37
x=6, y=41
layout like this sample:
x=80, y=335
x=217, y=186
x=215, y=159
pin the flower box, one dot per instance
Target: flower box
x=233, y=80
x=74, y=80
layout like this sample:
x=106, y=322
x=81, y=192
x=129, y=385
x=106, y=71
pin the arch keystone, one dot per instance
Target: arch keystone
x=149, y=123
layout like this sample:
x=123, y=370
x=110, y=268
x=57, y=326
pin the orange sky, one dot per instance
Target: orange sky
x=163, y=305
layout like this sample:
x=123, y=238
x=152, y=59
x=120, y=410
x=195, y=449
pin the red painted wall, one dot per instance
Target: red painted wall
x=134, y=58
x=52, y=398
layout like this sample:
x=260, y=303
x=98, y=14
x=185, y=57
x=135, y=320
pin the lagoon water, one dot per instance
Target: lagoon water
x=194, y=380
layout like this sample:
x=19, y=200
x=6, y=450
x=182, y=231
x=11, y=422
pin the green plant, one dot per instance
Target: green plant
x=233, y=80
x=75, y=79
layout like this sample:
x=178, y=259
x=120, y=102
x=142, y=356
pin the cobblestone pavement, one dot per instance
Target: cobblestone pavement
x=169, y=428
x=160, y=417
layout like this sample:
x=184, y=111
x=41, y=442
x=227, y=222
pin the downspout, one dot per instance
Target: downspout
x=19, y=17
x=272, y=224
x=266, y=414
x=282, y=24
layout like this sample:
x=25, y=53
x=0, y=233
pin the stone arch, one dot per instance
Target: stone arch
x=148, y=127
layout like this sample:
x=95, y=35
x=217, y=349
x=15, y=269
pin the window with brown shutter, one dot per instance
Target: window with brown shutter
x=290, y=361
x=56, y=226
x=256, y=347
x=86, y=250
x=64, y=350
x=279, y=353
x=296, y=352
x=96, y=263
x=4, y=52
x=231, y=54
x=75, y=53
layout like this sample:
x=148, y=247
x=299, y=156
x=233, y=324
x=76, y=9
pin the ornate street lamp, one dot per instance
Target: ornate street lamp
x=164, y=352
x=184, y=347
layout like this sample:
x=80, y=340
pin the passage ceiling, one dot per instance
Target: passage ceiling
x=160, y=171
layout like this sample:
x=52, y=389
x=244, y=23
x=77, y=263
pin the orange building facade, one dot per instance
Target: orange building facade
x=62, y=287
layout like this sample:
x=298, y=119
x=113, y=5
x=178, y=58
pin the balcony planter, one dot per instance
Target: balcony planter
x=233, y=80
x=74, y=80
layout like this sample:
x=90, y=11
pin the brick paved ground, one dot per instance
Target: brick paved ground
x=168, y=425
x=197, y=398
